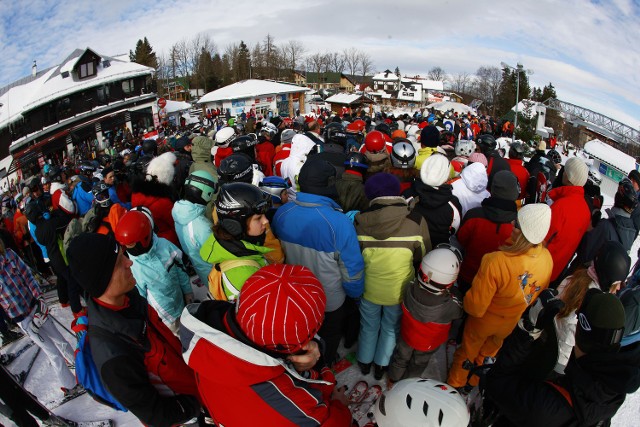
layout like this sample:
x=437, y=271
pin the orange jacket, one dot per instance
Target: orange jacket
x=115, y=213
x=506, y=284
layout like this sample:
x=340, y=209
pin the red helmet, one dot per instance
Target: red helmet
x=353, y=128
x=134, y=227
x=287, y=122
x=375, y=141
x=362, y=125
x=422, y=125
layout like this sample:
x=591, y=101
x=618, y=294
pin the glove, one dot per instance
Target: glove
x=189, y=406
x=40, y=314
x=541, y=313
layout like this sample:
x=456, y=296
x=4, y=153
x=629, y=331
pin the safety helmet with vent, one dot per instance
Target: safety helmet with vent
x=238, y=167
x=245, y=144
x=465, y=147
x=403, y=154
x=134, y=229
x=418, y=402
x=612, y=264
x=334, y=133
x=439, y=268
x=199, y=187
x=516, y=151
x=274, y=186
x=149, y=147
x=487, y=143
x=626, y=197
x=100, y=193
x=269, y=128
x=554, y=156
x=224, y=136
x=238, y=201
x=375, y=142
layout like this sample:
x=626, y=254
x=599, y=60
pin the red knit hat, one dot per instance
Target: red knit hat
x=281, y=307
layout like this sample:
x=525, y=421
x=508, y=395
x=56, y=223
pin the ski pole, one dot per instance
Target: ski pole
x=63, y=326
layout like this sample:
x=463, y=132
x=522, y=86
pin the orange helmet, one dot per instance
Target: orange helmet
x=398, y=134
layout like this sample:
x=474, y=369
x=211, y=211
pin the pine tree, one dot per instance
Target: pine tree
x=144, y=54
x=397, y=72
x=244, y=62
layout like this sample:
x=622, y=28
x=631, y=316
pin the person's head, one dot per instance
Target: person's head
x=135, y=233
x=612, y=264
x=276, y=187
x=334, y=133
x=245, y=144
x=100, y=266
x=634, y=176
x=199, y=187
x=486, y=144
x=600, y=325
x=382, y=184
x=435, y=170
x=516, y=151
x=241, y=209
x=375, y=142
x=149, y=147
x=318, y=176
x=505, y=186
x=439, y=268
x=356, y=162
x=313, y=126
x=281, y=308
x=100, y=193
x=286, y=137
x=238, y=167
x=530, y=228
x=576, y=172
x=162, y=168
x=224, y=136
x=417, y=402
x=478, y=158
x=430, y=137
x=465, y=147
x=626, y=197
x=109, y=175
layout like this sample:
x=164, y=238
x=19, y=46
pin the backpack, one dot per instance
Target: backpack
x=215, y=278
x=78, y=226
x=86, y=371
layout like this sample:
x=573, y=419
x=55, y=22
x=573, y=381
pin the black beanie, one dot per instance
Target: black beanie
x=92, y=258
x=318, y=176
x=505, y=186
x=600, y=323
x=430, y=136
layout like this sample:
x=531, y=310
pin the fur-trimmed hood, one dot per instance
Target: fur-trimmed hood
x=162, y=168
x=152, y=188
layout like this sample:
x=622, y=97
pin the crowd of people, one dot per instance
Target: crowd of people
x=399, y=233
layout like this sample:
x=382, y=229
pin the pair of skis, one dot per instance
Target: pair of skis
x=8, y=358
x=361, y=401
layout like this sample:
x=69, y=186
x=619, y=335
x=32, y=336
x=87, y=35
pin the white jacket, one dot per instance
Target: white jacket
x=301, y=145
x=471, y=188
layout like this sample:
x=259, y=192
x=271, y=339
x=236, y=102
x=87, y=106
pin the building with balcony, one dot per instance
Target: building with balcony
x=53, y=111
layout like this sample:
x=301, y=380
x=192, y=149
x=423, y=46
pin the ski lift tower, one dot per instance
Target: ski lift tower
x=518, y=69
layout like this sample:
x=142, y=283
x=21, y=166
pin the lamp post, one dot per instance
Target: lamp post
x=518, y=69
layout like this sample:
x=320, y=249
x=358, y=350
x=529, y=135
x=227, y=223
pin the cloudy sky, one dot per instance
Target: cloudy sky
x=587, y=49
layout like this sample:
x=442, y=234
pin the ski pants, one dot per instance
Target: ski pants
x=482, y=337
x=331, y=333
x=57, y=349
x=379, y=328
x=408, y=362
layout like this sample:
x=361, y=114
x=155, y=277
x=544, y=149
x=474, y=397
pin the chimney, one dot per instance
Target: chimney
x=34, y=68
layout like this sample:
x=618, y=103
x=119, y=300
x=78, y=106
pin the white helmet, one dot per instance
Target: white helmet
x=412, y=130
x=403, y=155
x=224, y=136
x=400, y=125
x=439, y=268
x=269, y=128
x=465, y=147
x=417, y=402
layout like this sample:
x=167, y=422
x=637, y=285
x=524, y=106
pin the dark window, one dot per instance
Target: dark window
x=87, y=69
x=127, y=86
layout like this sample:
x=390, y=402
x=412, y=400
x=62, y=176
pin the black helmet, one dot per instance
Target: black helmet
x=100, y=193
x=612, y=264
x=245, y=144
x=55, y=174
x=104, y=159
x=238, y=167
x=516, y=151
x=238, y=201
x=546, y=164
x=384, y=128
x=356, y=162
x=554, y=156
x=334, y=133
x=199, y=187
x=487, y=143
x=403, y=154
x=140, y=166
x=87, y=167
x=626, y=196
x=149, y=147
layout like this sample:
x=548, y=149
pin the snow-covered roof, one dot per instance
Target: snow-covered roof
x=457, y=107
x=527, y=107
x=382, y=94
x=386, y=76
x=611, y=155
x=344, y=98
x=426, y=84
x=19, y=98
x=173, y=106
x=250, y=89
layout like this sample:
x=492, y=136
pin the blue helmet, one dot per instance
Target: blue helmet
x=274, y=185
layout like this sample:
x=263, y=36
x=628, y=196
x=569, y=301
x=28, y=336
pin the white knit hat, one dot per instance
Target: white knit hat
x=435, y=170
x=576, y=171
x=534, y=221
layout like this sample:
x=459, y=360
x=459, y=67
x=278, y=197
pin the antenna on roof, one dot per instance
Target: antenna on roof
x=34, y=68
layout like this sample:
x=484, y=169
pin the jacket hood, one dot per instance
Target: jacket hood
x=300, y=147
x=475, y=177
x=201, y=149
x=152, y=189
x=383, y=218
x=432, y=197
x=185, y=211
x=566, y=191
x=238, y=362
x=214, y=252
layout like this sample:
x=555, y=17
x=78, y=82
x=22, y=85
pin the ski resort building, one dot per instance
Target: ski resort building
x=389, y=88
x=87, y=96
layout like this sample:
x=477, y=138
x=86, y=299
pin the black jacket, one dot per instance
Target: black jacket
x=439, y=207
x=597, y=385
x=496, y=163
x=120, y=341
